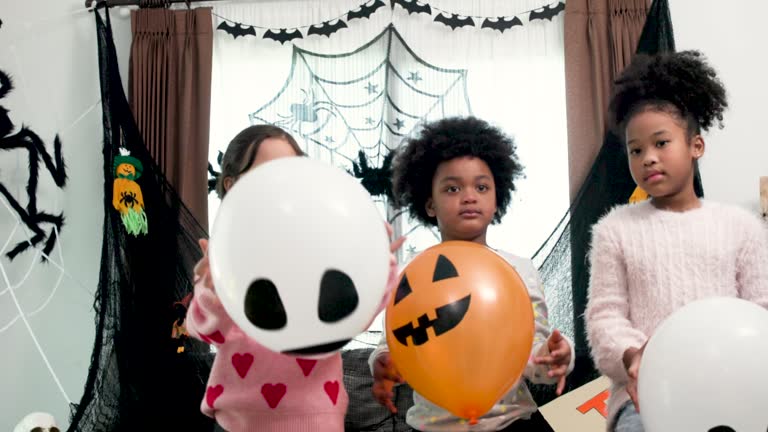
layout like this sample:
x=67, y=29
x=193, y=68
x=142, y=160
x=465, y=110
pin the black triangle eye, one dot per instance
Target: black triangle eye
x=338, y=296
x=444, y=269
x=403, y=290
x=721, y=429
x=263, y=306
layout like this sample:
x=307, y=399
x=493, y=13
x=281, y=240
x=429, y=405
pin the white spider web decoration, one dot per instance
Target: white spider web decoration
x=368, y=99
x=22, y=296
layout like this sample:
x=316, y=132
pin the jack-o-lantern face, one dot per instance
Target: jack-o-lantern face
x=448, y=315
x=126, y=170
x=460, y=327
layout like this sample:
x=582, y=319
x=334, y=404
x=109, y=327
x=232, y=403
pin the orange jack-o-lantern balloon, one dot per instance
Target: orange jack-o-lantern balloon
x=460, y=327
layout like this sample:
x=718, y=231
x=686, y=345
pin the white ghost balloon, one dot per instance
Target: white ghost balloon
x=704, y=369
x=300, y=256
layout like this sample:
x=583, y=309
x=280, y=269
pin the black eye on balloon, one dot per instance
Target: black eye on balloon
x=338, y=296
x=721, y=429
x=263, y=306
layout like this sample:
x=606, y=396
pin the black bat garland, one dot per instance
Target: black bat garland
x=413, y=6
x=500, y=24
x=548, y=13
x=454, y=21
x=365, y=10
x=451, y=20
x=283, y=36
x=326, y=29
x=30, y=141
x=236, y=30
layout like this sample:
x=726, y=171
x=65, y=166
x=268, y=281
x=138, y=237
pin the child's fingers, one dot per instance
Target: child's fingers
x=397, y=244
x=632, y=390
x=391, y=406
x=633, y=372
x=557, y=371
x=383, y=395
x=388, y=371
x=203, y=245
x=390, y=230
x=392, y=375
x=560, y=353
x=560, y=385
x=548, y=359
x=384, y=370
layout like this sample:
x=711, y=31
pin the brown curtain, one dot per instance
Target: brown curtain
x=600, y=39
x=170, y=95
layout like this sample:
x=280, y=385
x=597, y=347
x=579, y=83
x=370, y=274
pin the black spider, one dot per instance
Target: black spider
x=29, y=215
x=128, y=199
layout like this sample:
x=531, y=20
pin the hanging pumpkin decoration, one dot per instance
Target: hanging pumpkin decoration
x=127, y=197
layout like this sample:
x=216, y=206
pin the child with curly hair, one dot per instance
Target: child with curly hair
x=458, y=174
x=651, y=258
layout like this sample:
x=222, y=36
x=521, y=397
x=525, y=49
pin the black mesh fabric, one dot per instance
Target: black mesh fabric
x=138, y=381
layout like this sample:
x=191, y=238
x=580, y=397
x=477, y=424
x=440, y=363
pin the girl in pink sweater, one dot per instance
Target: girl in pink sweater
x=651, y=258
x=252, y=388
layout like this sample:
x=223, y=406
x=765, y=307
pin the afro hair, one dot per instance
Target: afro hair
x=415, y=165
x=683, y=80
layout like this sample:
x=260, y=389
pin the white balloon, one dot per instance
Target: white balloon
x=705, y=367
x=285, y=227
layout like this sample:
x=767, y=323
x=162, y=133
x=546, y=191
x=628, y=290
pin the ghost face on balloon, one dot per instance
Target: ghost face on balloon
x=299, y=256
x=703, y=369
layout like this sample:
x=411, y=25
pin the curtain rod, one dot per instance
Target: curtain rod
x=110, y=3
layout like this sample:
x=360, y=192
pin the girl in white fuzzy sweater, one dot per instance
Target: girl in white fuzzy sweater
x=650, y=259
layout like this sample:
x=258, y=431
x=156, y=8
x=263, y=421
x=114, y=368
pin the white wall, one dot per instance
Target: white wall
x=733, y=36
x=49, y=49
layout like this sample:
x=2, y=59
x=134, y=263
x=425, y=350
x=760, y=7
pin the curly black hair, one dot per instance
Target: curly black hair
x=415, y=165
x=683, y=81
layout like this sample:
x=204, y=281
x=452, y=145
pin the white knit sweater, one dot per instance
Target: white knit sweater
x=647, y=263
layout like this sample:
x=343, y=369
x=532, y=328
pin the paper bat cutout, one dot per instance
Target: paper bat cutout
x=236, y=30
x=454, y=21
x=326, y=29
x=549, y=12
x=365, y=10
x=283, y=36
x=500, y=24
x=413, y=6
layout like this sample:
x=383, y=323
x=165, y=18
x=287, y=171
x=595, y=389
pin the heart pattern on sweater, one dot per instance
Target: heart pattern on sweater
x=213, y=337
x=273, y=393
x=332, y=390
x=242, y=363
x=306, y=365
x=213, y=393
